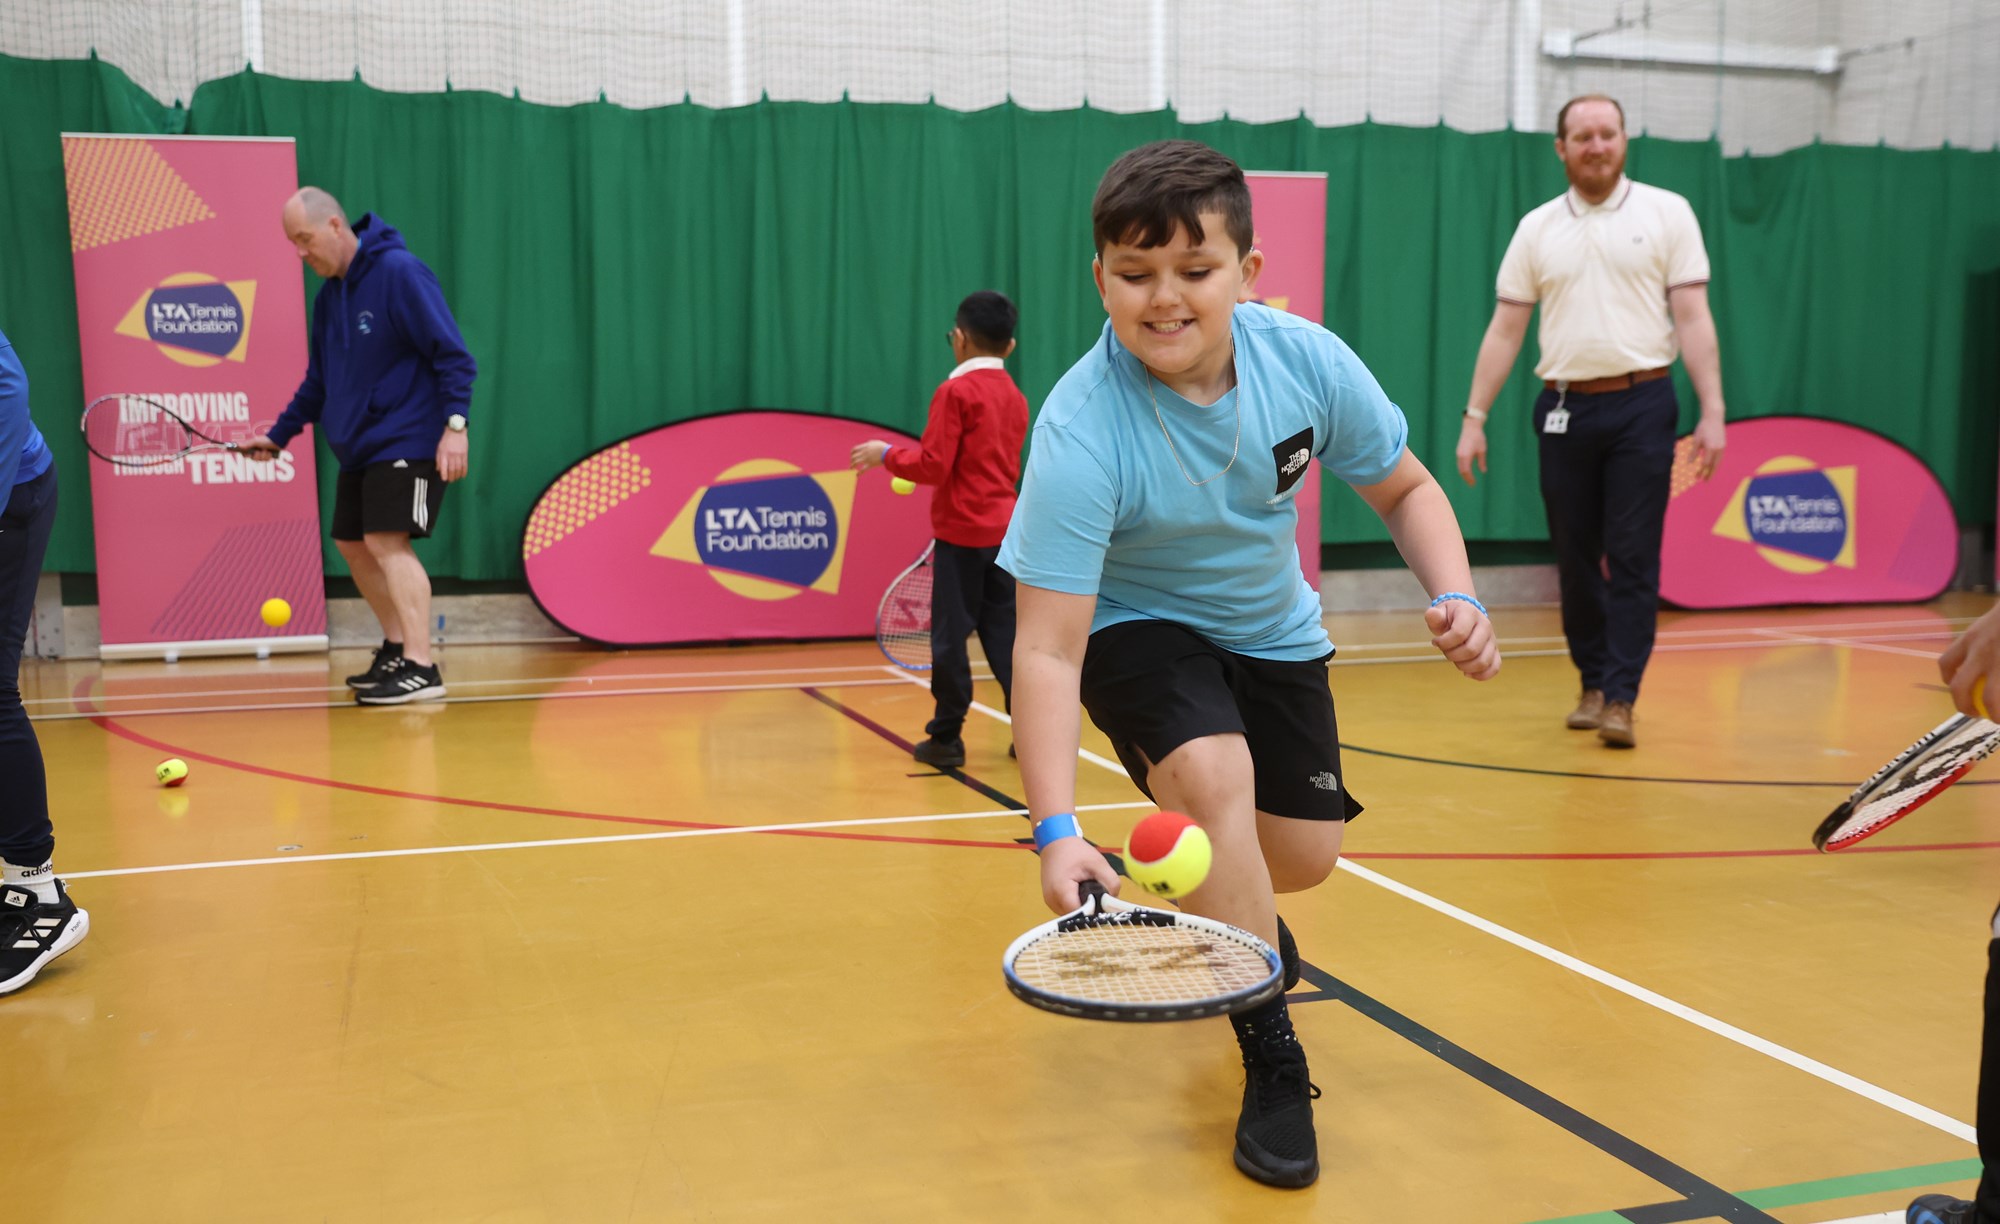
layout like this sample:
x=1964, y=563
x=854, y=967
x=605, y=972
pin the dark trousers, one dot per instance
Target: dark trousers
x=27, y=839
x=969, y=594
x=1987, y=1120
x=1605, y=486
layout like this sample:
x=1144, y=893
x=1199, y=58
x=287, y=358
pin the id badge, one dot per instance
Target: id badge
x=1557, y=422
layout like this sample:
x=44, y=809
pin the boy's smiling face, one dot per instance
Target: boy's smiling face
x=1171, y=305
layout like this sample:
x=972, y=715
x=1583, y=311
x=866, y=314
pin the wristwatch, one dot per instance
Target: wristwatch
x=455, y=422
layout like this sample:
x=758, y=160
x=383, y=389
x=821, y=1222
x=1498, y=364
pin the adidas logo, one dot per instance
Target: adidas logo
x=1325, y=781
x=16, y=897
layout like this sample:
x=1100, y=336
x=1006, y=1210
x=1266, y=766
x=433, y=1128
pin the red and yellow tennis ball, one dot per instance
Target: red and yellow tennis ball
x=171, y=772
x=1168, y=855
x=899, y=485
x=275, y=612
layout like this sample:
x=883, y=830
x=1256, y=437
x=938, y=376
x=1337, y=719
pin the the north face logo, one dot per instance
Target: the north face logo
x=1298, y=460
x=1325, y=781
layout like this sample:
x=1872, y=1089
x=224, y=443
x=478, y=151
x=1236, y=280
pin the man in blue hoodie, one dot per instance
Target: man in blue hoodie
x=38, y=921
x=389, y=382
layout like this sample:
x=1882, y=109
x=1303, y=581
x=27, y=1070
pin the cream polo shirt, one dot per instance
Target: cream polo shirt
x=1602, y=273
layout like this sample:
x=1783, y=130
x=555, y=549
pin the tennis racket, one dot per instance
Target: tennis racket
x=903, y=620
x=134, y=431
x=1112, y=960
x=1913, y=779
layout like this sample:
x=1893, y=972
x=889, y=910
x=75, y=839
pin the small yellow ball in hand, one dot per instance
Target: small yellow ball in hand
x=899, y=485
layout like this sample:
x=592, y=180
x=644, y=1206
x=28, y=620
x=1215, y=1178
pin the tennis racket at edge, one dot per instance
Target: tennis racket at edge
x=136, y=431
x=1112, y=960
x=1917, y=776
x=903, y=618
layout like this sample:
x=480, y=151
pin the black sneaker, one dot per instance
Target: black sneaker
x=33, y=934
x=945, y=754
x=1288, y=954
x=1275, y=1141
x=1939, y=1209
x=408, y=682
x=387, y=655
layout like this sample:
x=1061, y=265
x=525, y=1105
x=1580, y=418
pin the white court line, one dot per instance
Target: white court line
x=606, y=691
x=1004, y=717
x=1887, y=1217
x=658, y=835
x=1881, y=1096
x=1838, y=1078
x=1780, y=635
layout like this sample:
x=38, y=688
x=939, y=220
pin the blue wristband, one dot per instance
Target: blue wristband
x=1460, y=595
x=1055, y=828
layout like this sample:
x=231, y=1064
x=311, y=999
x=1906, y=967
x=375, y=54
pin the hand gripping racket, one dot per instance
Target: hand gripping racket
x=903, y=619
x=134, y=431
x=1913, y=779
x=1112, y=960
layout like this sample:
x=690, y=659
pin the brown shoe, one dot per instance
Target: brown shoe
x=1615, y=727
x=1589, y=710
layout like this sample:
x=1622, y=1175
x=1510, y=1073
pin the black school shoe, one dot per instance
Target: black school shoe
x=380, y=668
x=32, y=934
x=1275, y=1140
x=943, y=754
x=409, y=682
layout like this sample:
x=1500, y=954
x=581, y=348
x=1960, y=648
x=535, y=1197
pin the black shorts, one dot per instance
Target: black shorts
x=403, y=495
x=1152, y=686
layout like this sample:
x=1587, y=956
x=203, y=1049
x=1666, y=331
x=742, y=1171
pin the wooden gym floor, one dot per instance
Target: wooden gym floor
x=686, y=935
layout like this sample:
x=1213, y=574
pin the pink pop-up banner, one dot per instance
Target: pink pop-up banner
x=1290, y=213
x=188, y=293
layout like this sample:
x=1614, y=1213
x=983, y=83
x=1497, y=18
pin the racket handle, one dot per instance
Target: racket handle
x=1088, y=891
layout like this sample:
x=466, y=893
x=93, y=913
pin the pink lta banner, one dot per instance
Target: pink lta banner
x=735, y=527
x=188, y=293
x=1806, y=511
x=1290, y=214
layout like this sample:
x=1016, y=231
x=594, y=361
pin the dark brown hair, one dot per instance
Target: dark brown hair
x=1169, y=183
x=1562, y=116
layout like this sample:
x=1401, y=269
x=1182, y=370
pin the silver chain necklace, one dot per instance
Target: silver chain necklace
x=1234, y=447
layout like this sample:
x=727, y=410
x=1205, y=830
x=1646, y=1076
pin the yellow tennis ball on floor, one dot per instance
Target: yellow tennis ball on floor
x=171, y=772
x=275, y=612
x=899, y=485
x=1168, y=855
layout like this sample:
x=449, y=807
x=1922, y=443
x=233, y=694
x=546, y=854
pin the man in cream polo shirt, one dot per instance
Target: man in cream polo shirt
x=1620, y=272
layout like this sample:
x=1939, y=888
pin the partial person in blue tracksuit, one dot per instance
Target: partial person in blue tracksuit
x=389, y=383
x=38, y=921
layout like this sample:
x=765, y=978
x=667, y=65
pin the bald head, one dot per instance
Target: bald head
x=317, y=226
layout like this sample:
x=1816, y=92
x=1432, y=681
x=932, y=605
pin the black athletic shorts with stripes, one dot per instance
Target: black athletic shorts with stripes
x=1152, y=686
x=402, y=495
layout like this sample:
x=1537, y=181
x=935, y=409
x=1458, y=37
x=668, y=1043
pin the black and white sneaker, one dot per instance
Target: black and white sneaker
x=409, y=682
x=33, y=934
x=387, y=655
x=1275, y=1140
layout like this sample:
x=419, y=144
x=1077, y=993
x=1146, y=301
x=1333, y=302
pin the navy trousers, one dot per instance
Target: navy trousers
x=970, y=594
x=27, y=839
x=1987, y=1119
x=1605, y=476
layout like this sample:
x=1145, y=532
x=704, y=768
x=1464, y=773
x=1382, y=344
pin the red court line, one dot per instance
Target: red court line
x=107, y=724
x=114, y=728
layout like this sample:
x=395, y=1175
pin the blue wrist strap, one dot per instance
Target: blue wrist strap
x=1055, y=828
x=1460, y=595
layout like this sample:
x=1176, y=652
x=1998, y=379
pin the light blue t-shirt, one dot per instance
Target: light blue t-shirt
x=1106, y=509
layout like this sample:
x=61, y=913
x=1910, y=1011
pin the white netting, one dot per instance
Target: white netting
x=1764, y=75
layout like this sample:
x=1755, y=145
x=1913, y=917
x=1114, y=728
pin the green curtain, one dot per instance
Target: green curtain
x=614, y=270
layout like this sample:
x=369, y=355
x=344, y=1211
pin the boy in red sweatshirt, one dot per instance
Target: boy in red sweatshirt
x=971, y=450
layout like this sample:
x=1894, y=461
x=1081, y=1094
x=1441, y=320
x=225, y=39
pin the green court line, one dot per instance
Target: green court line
x=1820, y=1191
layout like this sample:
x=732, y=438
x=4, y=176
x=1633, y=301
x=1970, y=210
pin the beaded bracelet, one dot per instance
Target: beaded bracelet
x=1461, y=596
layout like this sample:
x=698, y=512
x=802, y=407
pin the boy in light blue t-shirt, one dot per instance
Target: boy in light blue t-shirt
x=1158, y=579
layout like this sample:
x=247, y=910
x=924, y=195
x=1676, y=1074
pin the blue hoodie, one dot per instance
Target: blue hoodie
x=385, y=364
x=23, y=454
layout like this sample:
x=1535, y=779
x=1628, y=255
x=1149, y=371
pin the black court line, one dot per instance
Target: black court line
x=1700, y=1200
x=1604, y=777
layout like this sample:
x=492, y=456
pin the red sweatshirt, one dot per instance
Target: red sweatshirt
x=971, y=450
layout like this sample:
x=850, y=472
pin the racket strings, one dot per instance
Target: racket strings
x=1915, y=781
x=129, y=429
x=1112, y=961
x=905, y=623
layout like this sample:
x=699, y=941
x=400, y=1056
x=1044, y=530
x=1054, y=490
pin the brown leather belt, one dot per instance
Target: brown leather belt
x=1617, y=382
